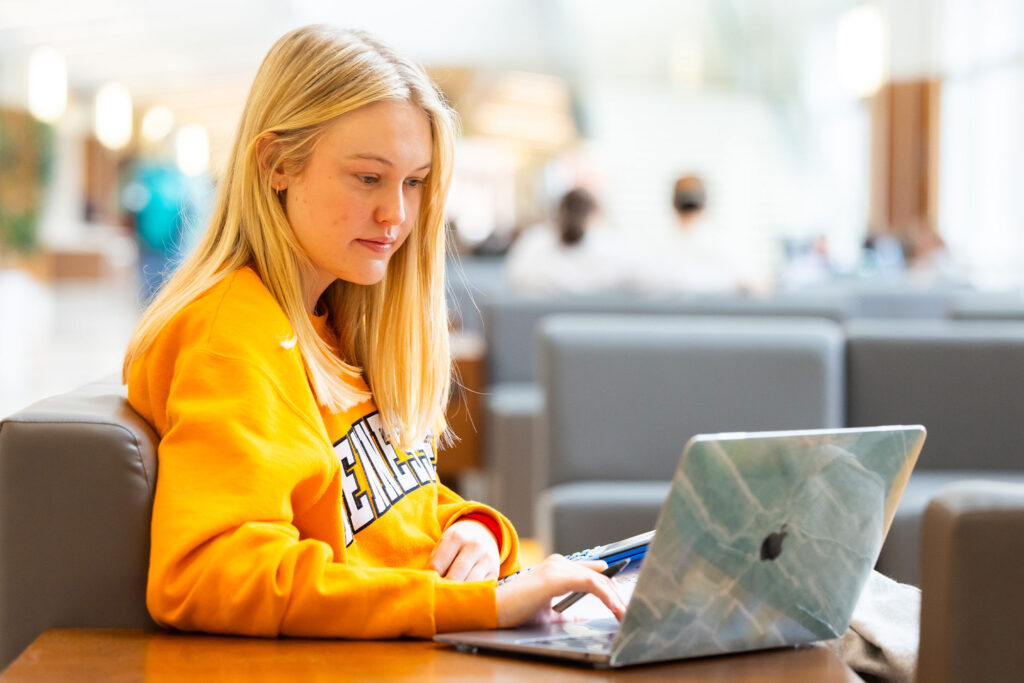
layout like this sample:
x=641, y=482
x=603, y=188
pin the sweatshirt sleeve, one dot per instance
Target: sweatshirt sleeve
x=451, y=508
x=237, y=458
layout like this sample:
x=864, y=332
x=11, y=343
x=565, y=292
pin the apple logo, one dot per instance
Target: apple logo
x=772, y=545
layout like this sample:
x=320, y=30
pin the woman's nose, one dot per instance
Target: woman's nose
x=391, y=210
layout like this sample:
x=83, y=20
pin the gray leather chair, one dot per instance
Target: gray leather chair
x=471, y=281
x=981, y=305
x=514, y=401
x=77, y=475
x=902, y=303
x=972, y=584
x=964, y=381
x=623, y=394
x=510, y=320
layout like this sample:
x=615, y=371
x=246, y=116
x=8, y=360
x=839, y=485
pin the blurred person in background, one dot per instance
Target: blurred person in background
x=689, y=199
x=882, y=254
x=696, y=256
x=929, y=260
x=165, y=205
x=572, y=255
x=296, y=369
x=808, y=261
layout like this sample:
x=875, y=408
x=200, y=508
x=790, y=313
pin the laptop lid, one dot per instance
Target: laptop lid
x=765, y=540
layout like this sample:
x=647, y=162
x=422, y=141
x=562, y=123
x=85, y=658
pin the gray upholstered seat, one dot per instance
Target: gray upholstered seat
x=964, y=381
x=512, y=410
x=980, y=305
x=510, y=328
x=510, y=321
x=77, y=475
x=972, y=587
x=623, y=394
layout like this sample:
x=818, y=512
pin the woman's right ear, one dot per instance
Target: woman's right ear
x=265, y=153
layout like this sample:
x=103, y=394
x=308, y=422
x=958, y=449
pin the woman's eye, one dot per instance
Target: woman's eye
x=414, y=182
x=367, y=179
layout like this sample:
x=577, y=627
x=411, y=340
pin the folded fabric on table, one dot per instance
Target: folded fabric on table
x=883, y=636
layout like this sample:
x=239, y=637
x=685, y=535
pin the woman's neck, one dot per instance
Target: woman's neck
x=314, y=284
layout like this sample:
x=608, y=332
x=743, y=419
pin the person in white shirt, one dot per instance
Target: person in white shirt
x=696, y=257
x=573, y=256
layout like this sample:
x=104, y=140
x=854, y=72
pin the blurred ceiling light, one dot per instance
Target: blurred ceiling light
x=860, y=50
x=192, y=145
x=47, y=84
x=157, y=123
x=113, y=116
x=686, y=65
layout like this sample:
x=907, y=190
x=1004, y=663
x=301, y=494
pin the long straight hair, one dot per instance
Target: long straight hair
x=395, y=332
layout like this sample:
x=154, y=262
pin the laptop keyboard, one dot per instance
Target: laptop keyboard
x=592, y=642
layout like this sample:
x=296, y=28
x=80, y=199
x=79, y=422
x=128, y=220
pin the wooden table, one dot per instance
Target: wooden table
x=135, y=655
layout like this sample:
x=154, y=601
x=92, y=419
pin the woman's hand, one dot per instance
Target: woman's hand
x=528, y=596
x=467, y=551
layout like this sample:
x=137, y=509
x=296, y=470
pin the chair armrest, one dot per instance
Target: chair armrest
x=77, y=476
x=972, y=583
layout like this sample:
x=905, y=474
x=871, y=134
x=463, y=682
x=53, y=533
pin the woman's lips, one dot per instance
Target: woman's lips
x=378, y=246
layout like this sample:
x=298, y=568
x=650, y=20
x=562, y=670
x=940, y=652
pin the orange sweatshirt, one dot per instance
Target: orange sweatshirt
x=273, y=516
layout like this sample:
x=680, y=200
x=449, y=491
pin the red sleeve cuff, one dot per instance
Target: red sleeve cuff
x=487, y=521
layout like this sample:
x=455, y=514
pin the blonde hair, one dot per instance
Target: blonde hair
x=394, y=332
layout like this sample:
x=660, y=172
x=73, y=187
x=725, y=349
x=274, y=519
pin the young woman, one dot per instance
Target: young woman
x=296, y=369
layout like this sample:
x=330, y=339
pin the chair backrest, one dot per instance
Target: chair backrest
x=981, y=305
x=510, y=321
x=902, y=303
x=471, y=281
x=624, y=393
x=961, y=379
x=77, y=475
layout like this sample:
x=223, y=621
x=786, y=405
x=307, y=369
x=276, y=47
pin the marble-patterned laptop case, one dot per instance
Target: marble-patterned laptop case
x=765, y=540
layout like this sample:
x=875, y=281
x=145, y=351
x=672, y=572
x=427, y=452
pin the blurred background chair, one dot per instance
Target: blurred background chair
x=963, y=381
x=514, y=399
x=77, y=476
x=623, y=394
x=976, y=305
x=972, y=584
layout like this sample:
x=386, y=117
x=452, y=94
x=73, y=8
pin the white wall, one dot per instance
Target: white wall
x=644, y=138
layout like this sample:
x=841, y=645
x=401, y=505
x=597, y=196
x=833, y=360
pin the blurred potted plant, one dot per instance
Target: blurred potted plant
x=26, y=156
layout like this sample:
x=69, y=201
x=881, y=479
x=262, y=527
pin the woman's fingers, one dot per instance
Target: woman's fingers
x=481, y=571
x=462, y=565
x=444, y=554
x=530, y=595
x=462, y=547
x=472, y=566
x=603, y=588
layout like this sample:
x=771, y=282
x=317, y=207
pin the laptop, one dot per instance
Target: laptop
x=765, y=540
